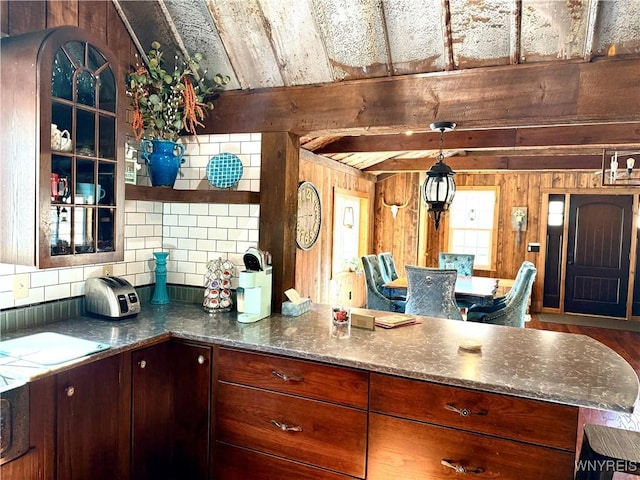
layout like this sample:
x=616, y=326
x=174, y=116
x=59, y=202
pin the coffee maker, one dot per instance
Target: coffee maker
x=254, y=287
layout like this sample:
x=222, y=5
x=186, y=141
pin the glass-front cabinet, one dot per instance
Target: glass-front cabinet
x=78, y=161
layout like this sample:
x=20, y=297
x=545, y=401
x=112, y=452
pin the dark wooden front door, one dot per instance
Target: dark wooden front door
x=599, y=248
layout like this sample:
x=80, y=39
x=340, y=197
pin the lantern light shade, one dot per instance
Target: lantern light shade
x=439, y=187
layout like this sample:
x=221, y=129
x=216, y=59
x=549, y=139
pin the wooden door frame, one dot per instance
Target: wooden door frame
x=633, y=192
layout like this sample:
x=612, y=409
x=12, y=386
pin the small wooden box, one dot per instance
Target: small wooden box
x=363, y=320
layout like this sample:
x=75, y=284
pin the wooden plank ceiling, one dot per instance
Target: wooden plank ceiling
x=274, y=44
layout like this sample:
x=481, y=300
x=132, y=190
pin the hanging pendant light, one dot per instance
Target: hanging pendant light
x=439, y=188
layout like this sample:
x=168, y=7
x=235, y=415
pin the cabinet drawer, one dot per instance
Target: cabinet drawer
x=312, y=380
x=235, y=463
x=330, y=436
x=411, y=450
x=516, y=418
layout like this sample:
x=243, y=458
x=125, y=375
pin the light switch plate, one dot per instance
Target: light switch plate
x=20, y=286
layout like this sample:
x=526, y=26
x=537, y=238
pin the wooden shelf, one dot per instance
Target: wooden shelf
x=166, y=194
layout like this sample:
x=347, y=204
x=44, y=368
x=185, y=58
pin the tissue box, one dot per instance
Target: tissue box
x=294, y=309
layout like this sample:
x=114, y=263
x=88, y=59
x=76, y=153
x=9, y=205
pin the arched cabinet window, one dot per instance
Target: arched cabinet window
x=72, y=150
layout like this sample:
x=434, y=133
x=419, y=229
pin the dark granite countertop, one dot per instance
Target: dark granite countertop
x=558, y=367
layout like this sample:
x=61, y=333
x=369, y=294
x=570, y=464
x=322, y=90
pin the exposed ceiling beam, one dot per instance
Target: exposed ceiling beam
x=473, y=163
x=555, y=93
x=576, y=136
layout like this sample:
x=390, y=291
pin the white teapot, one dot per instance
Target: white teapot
x=60, y=140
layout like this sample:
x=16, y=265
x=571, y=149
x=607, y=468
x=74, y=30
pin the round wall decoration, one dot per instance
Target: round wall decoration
x=224, y=170
x=309, y=218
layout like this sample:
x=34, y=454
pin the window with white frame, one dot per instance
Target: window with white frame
x=472, y=225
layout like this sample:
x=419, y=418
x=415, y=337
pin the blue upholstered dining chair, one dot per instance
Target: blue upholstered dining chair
x=387, y=267
x=462, y=262
x=376, y=298
x=512, y=308
x=431, y=292
x=516, y=283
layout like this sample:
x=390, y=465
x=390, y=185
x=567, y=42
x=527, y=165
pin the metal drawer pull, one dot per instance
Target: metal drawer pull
x=464, y=412
x=287, y=428
x=460, y=468
x=286, y=378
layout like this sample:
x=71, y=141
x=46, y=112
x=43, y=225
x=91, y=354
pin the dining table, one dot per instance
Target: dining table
x=470, y=290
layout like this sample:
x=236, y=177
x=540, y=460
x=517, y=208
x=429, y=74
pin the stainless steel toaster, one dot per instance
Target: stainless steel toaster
x=112, y=297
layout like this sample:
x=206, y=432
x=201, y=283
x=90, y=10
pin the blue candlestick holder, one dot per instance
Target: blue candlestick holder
x=160, y=295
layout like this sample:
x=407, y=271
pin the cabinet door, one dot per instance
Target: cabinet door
x=191, y=402
x=65, y=202
x=170, y=411
x=89, y=412
x=151, y=413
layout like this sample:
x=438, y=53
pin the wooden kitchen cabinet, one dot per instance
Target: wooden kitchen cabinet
x=171, y=396
x=275, y=414
x=63, y=150
x=92, y=421
x=427, y=431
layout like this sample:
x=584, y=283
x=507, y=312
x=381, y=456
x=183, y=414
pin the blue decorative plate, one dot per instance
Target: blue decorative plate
x=224, y=170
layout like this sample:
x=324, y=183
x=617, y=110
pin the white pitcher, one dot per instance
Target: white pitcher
x=60, y=140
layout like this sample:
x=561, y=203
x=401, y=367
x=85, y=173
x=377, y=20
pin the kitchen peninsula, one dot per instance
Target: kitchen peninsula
x=392, y=399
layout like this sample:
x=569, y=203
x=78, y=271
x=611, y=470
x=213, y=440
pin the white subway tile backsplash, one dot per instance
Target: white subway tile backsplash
x=194, y=233
x=226, y=246
x=238, y=235
x=227, y=222
x=206, y=245
x=206, y=221
x=250, y=147
x=187, y=220
x=187, y=243
x=144, y=231
x=179, y=232
x=135, y=218
x=175, y=277
x=239, y=210
x=7, y=269
x=217, y=234
x=198, y=256
x=218, y=209
x=194, y=279
x=44, y=277
x=169, y=220
x=198, y=209
x=144, y=206
x=197, y=232
x=135, y=267
x=179, y=208
x=153, y=219
x=56, y=292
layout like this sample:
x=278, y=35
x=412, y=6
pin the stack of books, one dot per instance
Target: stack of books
x=395, y=320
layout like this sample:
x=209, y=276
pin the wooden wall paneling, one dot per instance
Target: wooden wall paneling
x=27, y=17
x=92, y=16
x=4, y=18
x=62, y=12
x=400, y=235
x=278, y=202
x=313, y=267
x=118, y=38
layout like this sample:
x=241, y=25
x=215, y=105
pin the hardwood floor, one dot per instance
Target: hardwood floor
x=627, y=345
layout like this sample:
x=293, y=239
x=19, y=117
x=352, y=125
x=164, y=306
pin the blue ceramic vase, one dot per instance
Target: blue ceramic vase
x=160, y=295
x=163, y=158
